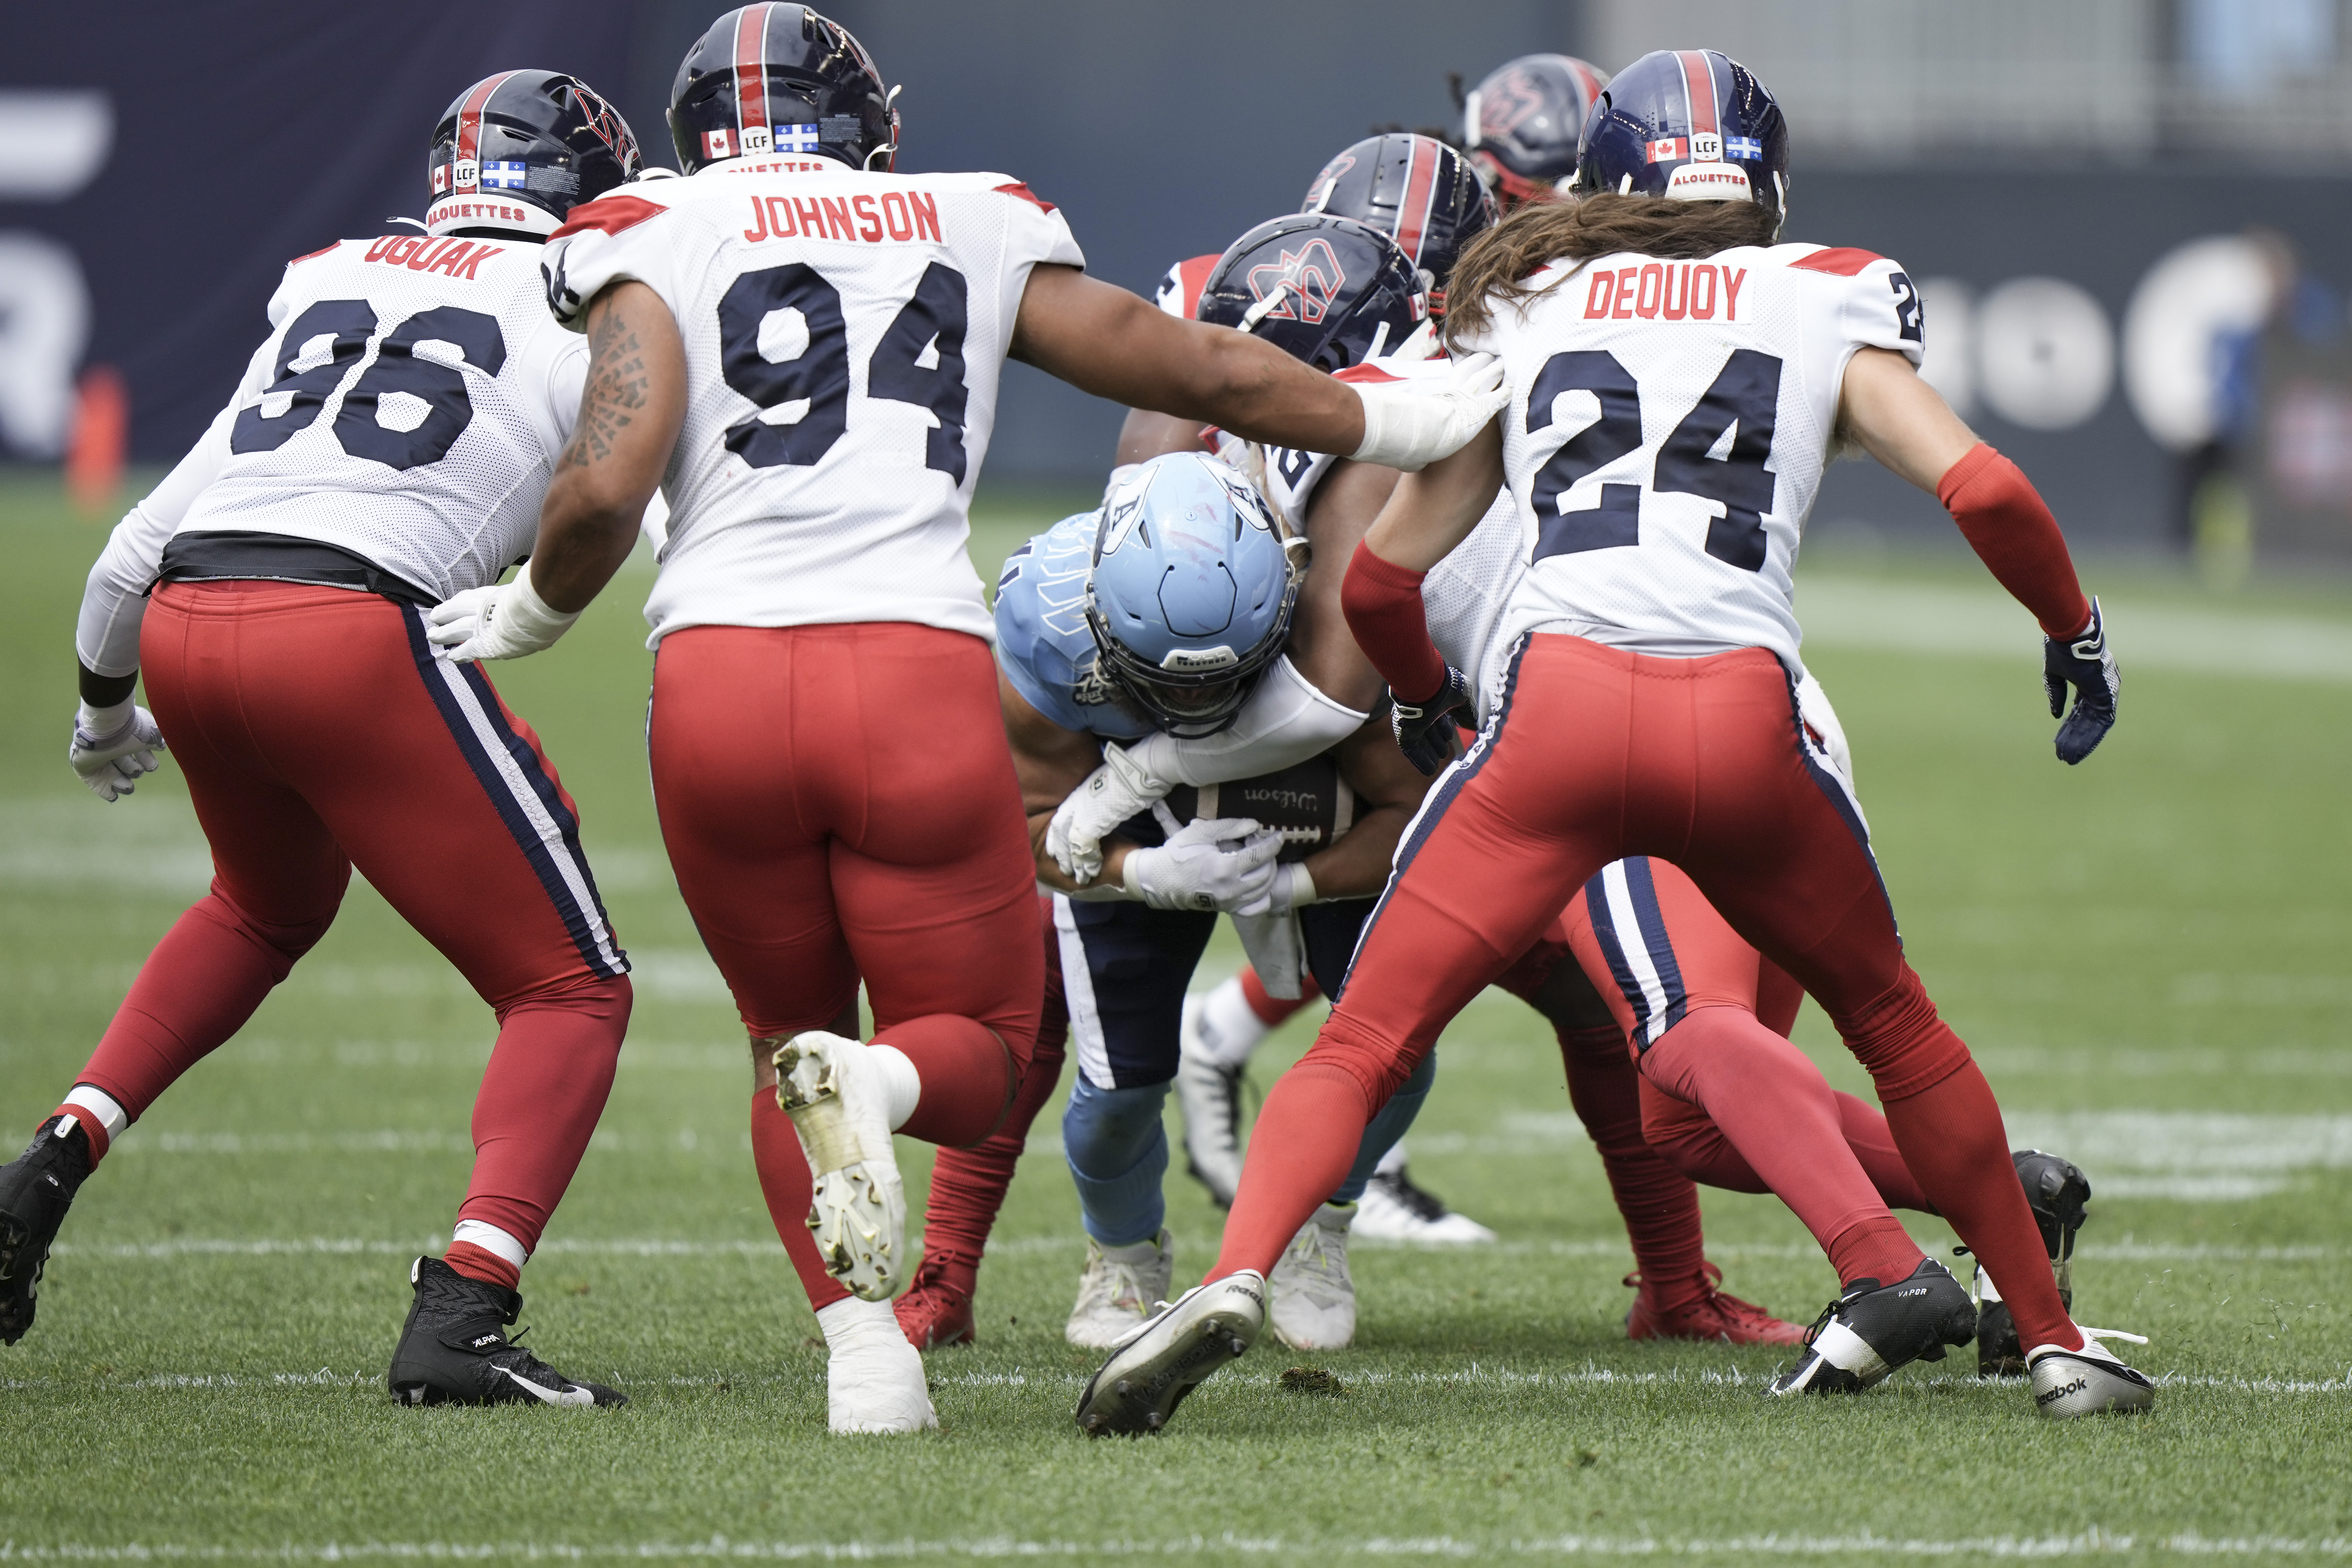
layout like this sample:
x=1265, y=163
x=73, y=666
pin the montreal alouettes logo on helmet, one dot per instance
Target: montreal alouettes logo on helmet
x=1511, y=98
x=1333, y=172
x=608, y=126
x=1306, y=281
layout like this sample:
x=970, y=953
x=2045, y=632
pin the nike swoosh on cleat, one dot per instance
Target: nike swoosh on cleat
x=572, y=1396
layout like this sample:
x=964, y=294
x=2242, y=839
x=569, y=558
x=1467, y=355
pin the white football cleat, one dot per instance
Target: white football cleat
x=1393, y=1209
x=1314, y=1295
x=2092, y=1381
x=832, y=1090
x=874, y=1378
x=1209, y=1094
x=1121, y=1287
x=1165, y=1359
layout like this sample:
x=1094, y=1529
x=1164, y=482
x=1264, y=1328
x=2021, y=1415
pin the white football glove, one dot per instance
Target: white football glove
x=1217, y=863
x=1113, y=792
x=503, y=621
x=114, y=747
x=1410, y=425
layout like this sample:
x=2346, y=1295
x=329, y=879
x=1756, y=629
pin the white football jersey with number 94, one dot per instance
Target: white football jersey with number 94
x=844, y=335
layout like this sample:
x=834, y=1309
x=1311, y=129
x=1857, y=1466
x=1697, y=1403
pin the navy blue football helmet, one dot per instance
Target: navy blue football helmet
x=1189, y=592
x=1522, y=124
x=1691, y=125
x=1330, y=292
x=781, y=79
x=516, y=151
x=1415, y=189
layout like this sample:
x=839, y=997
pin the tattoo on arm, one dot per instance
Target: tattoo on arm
x=617, y=390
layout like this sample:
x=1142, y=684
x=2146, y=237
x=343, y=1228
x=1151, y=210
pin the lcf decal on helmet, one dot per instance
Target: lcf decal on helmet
x=780, y=78
x=516, y=151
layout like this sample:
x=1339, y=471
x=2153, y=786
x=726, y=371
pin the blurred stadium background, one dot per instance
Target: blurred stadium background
x=2130, y=216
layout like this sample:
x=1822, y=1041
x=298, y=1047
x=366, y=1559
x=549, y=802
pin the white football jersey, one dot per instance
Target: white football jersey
x=1668, y=425
x=1465, y=594
x=844, y=335
x=408, y=407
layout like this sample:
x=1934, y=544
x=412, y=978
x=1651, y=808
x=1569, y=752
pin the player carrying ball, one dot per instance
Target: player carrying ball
x=804, y=349
x=1677, y=380
x=387, y=448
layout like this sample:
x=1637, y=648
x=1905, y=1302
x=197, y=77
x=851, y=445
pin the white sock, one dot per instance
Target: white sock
x=491, y=1239
x=853, y=1320
x=900, y=1080
x=1393, y=1162
x=1230, y=1030
x=100, y=1107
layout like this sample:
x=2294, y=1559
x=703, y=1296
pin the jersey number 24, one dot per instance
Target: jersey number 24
x=1718, y=451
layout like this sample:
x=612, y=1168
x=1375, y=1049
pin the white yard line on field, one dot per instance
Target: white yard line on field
x=2090, y=1543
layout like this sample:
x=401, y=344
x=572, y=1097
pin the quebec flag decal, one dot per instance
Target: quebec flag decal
x=503, y=175
x=796, y=139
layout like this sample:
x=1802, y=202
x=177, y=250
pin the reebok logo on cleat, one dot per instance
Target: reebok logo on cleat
x=2062, y=1390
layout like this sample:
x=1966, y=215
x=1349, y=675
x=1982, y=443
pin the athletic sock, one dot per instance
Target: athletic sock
x=964, y=1074
x=96, y=1113
x=968, y=1185
x=1658, y=1201
x=1116, y=1146
x=1951, y=1137
x=204, y=980
x=1269, y=1009
x=1873, y=1145
x=485, y=1253
x=1304, y=1141
x=548, y=1079
x=1775, y=1107
x=784, y=1182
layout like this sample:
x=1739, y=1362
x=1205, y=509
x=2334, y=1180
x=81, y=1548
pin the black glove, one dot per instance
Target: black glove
x=1426, y=731
x=2085, y=663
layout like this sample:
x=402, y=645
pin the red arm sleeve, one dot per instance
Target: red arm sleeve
x=1384, y=610
x=2013, y=532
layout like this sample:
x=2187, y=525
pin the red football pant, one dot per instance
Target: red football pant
x=317, y=733
x=1596, y=754
x=838, y=803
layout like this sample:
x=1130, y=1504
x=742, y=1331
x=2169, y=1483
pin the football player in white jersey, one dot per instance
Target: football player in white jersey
x=386, y=448
x=803, y=349
x=1678, y=381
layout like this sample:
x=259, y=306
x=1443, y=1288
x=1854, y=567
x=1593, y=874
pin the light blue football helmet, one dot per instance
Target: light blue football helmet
x=1190, y=592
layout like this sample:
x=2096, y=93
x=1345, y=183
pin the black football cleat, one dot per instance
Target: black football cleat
x=2056, y=1190
x=35, y=1190
x=1874, y=1329
x=454, y=1350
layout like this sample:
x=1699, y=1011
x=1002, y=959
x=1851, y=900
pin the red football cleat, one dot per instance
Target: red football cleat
x=1711, y=1314
x=936, y=1310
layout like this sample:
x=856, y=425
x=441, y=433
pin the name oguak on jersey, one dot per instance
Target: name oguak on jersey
x=418, y=253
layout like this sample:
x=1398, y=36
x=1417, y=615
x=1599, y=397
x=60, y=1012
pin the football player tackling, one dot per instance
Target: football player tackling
x=805, y=349
x=1677, y=382
x=387, y=447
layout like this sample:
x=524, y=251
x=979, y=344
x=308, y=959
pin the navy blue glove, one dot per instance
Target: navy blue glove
x=2085, y=663
x=1426, y=731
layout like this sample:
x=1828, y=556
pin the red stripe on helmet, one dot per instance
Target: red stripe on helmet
x=1587, y=78
x=1698, y=82
x=752, y=71
x=1191, y=277
x=1419, y=190
x=469, y=123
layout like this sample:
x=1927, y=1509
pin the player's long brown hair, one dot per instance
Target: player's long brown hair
x=1495, y=267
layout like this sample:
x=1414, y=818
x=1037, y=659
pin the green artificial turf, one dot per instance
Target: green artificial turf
x=2148, y=954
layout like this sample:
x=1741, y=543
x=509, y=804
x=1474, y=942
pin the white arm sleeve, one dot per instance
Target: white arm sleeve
x=1286, y=721
x=114, y=602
